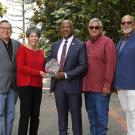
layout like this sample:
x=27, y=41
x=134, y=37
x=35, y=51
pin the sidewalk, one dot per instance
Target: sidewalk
x=48, y=117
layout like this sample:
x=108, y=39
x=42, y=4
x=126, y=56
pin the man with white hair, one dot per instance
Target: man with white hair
x=98, y=80
x=125, y=71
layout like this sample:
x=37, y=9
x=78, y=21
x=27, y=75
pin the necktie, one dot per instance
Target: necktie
x=63, y=55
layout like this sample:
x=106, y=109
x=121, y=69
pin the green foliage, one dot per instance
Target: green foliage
x=52, y=12
x=2, y=10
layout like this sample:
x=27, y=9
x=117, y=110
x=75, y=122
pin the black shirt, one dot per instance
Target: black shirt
x=9, y=49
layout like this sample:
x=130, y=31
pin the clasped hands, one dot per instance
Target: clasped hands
x=59, y=75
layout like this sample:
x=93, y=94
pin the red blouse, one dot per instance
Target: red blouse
x=101, y=64
x=29, y=64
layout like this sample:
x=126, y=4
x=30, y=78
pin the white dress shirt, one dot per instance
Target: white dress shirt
x=61, y=47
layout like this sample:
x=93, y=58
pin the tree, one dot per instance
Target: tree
x=51, y=13
x=19, y=13
x=2, y=10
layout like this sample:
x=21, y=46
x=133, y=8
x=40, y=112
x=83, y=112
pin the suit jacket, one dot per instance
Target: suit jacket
x=125, y=68
x=75, y=66
x=7, y=67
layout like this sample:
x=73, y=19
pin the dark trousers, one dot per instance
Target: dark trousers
x=97, y=106
x=69, y=102
x=30, y=100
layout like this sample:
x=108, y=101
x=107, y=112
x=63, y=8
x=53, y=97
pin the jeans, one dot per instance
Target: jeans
x=7, y=111
x=127, y=101
x=97, y=106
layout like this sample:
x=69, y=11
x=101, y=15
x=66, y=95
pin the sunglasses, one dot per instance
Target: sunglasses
x=94, y=27
x=128, y=23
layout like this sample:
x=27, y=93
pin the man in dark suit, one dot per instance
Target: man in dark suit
x=8, y=48
x=67, y=84
x=125, y=71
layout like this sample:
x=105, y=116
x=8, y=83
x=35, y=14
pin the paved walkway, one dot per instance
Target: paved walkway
x=48, y=117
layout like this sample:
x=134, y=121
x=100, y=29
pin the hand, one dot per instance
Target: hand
x=43, y=74
x=106, y=91
x=60, y=75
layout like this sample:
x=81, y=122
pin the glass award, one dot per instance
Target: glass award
x=52, y=67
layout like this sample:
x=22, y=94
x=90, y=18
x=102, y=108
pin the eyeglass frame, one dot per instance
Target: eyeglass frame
x=6, y=28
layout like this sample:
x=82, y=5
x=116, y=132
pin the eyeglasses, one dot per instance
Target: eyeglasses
x=6, y=28
x=128, y=23
x=94, y=27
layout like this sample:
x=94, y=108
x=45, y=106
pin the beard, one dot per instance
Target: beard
x=127, y=30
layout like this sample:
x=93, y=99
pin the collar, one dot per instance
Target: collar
x=9, y=42
x=93, y=40
x=127, y=36
x=69, y=39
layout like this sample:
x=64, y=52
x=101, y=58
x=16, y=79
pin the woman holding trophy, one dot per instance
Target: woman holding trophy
x=30, y=70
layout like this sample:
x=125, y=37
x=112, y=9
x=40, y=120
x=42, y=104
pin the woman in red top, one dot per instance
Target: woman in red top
x=98, y=80
x=30, y=70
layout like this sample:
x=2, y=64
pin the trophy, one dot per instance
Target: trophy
x=52, y=67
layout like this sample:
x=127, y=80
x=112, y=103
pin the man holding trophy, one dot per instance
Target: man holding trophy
x=67, y=63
